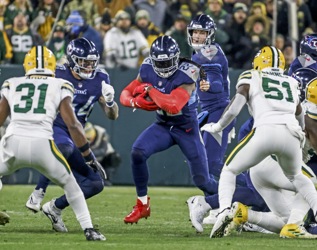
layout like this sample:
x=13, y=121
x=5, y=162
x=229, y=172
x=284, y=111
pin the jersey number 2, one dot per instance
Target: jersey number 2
x=28, y=98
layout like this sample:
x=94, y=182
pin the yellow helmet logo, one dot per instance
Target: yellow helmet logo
x=269, y=56
x=39, y=61
x=311, y=91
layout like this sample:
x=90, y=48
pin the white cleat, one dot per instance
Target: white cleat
x=224, y=218
x=55, y=216
x=198, y=207
x=35, y=199
x=211, y=218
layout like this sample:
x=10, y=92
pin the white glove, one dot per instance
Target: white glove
x=215, y=130
x=211, y=128
x=108, y=93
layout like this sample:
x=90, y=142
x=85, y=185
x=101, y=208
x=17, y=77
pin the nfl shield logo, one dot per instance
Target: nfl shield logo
x=160, y=83
x=80, y=85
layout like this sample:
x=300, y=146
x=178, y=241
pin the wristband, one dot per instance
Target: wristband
x=84, y=148
x=90, y=157
x=110, y=104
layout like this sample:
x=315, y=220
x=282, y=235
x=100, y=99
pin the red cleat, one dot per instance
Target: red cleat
x=139, y=211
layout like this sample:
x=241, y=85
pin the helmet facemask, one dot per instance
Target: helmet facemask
x=165, y=67
x=85, y=67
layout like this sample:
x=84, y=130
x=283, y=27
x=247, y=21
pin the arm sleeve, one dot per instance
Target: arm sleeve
x=171, y=103
x=233, y=110
x=126, y=94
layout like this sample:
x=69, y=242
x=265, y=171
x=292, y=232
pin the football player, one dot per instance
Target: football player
x=167, y=85
x=91, y=85
x=278, y=118
x=32, y=102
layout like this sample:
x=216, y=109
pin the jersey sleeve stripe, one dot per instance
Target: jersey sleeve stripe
x=312, y=115
x=5, y=85
x=69, y=87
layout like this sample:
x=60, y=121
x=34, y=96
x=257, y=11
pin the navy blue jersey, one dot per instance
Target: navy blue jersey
x=302, y=61
x=87, y=93
x=218, y=96
x=187, y=73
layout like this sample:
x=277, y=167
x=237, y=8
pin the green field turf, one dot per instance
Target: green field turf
x=167, y=228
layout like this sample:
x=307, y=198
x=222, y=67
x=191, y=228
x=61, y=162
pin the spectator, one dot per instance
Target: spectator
x=256, y=31
x=105, y=23
x=3, y=5
x=279, y=41
x=88, y=7
x=179, y=32
x=44, y=17
x=22, y=38
x=220, y=17
x=77, y=27
x=129, y=43
x=148, y=29
x=5, y=48
x=259, y=9
x=304, y=18
x=288, y=52
x=156, y=9
x=14, y=8
x=112, y=5
x=102, y=148
x=58, y=44
x=238, y=47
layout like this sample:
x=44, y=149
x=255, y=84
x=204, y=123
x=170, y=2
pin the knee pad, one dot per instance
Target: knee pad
x=138, y=156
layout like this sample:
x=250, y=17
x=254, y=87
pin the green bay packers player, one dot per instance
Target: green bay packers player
x=273, y=101
x=32, y=102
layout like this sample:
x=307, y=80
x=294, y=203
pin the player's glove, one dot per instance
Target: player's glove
x=108, y=93
x=92, y=162
x=142, y=102
x=140, y=89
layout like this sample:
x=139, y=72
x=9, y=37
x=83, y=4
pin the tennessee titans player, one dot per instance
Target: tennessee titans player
x=91, y=85
x=308, y=54
x=201, y=37
x=166, y=85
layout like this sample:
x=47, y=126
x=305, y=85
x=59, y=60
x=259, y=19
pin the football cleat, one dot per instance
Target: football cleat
x=198, y=207
x=211, y=218
x=239, y=213
x=139, y=211
x=224, y=218
x=93, y=234
x=296, y=231
x=35, y=199
x=249, y=227
x=55, y=216
x=4, y=218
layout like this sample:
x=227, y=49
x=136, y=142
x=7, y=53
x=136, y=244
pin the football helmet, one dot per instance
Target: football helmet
x=311, y=91
x=269, y=56
x=304, y=76
x=205, y=23
x=164, y=54
x=83, y=57
x=308, y=46
x=39, y=61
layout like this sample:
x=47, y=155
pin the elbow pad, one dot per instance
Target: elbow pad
x=171, y=103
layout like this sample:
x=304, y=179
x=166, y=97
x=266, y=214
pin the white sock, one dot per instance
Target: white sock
x=268, y=220
x=227, y=185
x=143, y=199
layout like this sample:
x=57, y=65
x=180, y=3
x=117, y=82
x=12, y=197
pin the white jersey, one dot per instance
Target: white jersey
x=124, y=49
x=34, y=103
x=273, y=97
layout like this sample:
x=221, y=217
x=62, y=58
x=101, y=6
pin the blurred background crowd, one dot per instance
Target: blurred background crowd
x=123, y=30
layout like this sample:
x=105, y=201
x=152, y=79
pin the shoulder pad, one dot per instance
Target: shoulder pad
x=102, y=71
x=190, y=70
x=68, y=85
x=147, y=61
x=246, y=75
x=61, y=66
x=209, y=51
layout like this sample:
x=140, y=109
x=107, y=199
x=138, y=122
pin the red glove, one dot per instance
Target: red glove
x=140, y=89
x=142, y=103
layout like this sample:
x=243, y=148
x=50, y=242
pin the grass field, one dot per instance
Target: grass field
x=167, y=228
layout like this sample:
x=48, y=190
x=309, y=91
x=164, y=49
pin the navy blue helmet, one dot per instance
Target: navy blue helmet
x=83, y=57
x=164, y=54
x=205, y=23
x=304, y=76
x=308, y=46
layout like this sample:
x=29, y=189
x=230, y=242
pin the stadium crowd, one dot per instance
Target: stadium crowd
x=243, y=27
